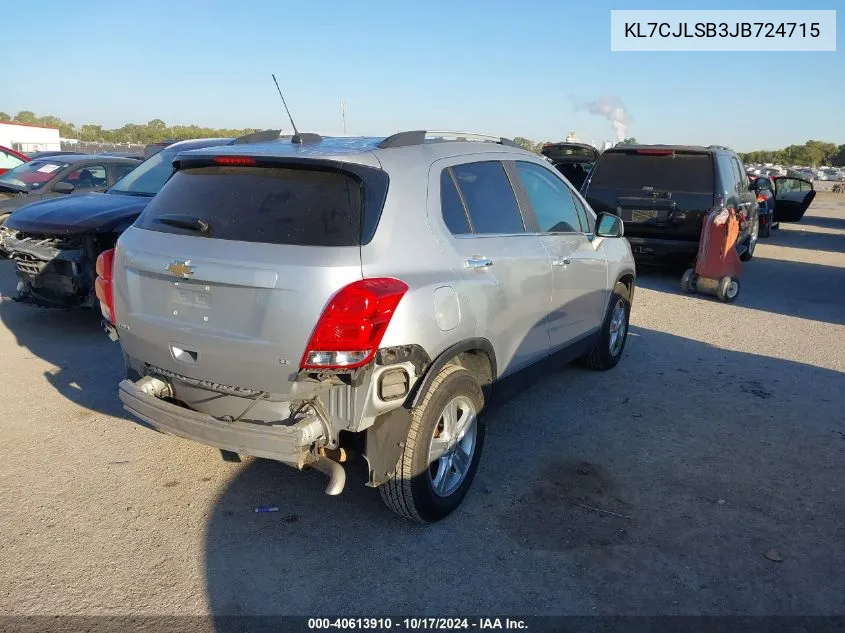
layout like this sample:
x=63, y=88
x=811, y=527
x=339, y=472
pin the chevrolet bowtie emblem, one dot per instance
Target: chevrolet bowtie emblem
x=181, y=269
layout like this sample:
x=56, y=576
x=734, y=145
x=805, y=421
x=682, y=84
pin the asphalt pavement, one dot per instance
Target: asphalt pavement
x=704, y=475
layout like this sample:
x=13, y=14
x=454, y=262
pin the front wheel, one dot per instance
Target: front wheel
x=441, y=451
x=612, y=336
x=751, y=241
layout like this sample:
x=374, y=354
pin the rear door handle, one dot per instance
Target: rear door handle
x=478, y=262
x=561, y=262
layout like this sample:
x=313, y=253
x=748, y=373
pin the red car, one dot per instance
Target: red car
x=9, y=159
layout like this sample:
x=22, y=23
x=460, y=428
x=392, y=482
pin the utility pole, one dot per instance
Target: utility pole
x=343, y=113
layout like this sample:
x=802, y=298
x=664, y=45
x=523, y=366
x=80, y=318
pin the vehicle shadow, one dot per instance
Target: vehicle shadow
x=795, y=237
x=824, y=222
x=790, y=288
x=597, y=494
x=88, y=366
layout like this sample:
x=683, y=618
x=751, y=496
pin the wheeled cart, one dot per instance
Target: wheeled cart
x=717, y=266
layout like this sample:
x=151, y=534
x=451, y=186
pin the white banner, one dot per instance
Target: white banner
x=723, y=30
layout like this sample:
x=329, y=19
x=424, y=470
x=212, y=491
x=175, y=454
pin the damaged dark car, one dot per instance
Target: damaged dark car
x=55, y=243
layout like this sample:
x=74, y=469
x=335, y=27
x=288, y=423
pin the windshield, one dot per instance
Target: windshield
x=148, y=177
x=32, y=175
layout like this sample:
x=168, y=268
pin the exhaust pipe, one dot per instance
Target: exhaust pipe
x=153, y=386
x=334, y=471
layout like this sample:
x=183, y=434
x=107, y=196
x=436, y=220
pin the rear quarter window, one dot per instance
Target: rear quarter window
x=273, y=205
x=678, y=172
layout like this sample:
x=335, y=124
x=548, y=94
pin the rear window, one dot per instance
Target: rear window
x=687, y=172
x=274, y=205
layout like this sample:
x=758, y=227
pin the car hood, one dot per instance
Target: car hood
x=81, y=213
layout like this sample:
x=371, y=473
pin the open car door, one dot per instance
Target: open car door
x=792, y=198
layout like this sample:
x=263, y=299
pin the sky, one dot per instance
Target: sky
x=497, y=67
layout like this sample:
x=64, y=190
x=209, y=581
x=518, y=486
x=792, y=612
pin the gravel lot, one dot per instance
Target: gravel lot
x=657, y=488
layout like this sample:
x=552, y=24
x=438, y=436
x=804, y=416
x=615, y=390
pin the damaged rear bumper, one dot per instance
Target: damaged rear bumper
x=290, y=444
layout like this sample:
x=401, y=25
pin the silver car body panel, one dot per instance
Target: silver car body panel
x=240, y=323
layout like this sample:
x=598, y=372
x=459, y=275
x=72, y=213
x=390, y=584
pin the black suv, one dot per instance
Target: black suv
x=663, y=192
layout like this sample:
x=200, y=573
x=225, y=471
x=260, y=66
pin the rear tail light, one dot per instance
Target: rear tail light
x=761, y=198
x=352, y=325
x=103, y=284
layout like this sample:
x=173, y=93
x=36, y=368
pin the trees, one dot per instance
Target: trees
x=150, y=132
x=631, y=140
x=812, y=153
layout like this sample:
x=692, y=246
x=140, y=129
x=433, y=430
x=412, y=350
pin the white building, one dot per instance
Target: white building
x=572, y=137
x=29, y=138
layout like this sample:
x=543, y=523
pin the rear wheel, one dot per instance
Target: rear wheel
x=766, y=227
x=442, y=450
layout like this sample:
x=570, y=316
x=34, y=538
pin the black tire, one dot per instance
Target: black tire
x=728, y=289
x=751, y=241
x=766, y=229
x=601, y=357
x=410, y=492
x=688, y=280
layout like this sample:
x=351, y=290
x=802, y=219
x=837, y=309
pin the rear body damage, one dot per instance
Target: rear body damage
x=308, y=302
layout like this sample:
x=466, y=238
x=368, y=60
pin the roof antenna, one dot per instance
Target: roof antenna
x=296, y=138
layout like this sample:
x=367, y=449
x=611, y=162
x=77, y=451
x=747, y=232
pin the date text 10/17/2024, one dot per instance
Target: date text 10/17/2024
x=418, y=624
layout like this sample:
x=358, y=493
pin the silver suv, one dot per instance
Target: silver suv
x=306, y=299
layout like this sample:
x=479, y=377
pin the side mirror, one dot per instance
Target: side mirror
x=63, y=187
x=609, y=225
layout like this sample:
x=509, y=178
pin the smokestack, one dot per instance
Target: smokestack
x=612, y=109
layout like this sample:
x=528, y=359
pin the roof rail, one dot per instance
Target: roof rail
x=419, y=137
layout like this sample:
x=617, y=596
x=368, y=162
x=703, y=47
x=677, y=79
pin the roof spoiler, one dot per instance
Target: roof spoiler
x=260, y=136
x=419, y=137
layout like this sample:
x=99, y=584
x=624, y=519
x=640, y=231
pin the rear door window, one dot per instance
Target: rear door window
x=690, y=172
x=274, y=205
x=490, y=200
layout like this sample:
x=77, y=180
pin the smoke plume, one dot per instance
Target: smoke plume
x=612, y=109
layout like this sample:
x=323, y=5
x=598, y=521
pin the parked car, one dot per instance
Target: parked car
x=765, y=204
x=663, y=192
x=573, y=160
x=49, y=153
x=9, y=159
x=280, y=300
x=45, y=178
x=55, y=243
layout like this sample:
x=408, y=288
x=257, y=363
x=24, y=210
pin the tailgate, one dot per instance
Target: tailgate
x=657, y=193
x=233, y=303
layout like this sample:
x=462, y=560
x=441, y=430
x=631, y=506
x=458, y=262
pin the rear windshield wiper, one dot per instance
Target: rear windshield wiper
x=190, y=222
